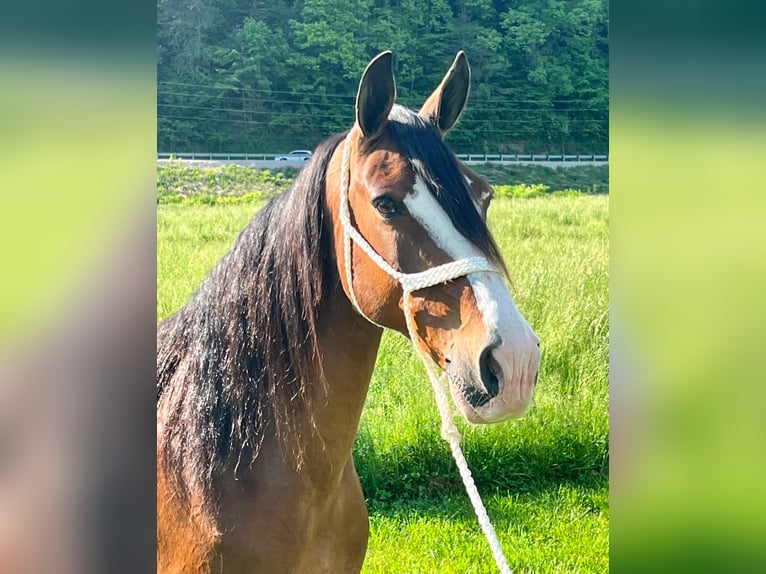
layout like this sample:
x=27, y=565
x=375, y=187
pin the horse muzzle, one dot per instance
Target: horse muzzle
x=496, y=385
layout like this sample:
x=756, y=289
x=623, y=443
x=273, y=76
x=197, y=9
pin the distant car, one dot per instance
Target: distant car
x=296, y=155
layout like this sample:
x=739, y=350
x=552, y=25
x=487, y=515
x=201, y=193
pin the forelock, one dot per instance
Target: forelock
x=431, y=160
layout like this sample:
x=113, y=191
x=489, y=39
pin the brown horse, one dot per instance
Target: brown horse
x=262, y=376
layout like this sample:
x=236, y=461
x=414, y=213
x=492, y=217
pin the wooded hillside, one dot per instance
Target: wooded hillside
x=244, y=75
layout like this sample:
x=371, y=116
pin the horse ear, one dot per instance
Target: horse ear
x=376, y=95
x=444, y=106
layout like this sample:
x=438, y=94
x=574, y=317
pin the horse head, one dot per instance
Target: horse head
x=411, y=211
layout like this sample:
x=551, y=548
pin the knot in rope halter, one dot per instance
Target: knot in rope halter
x=410, y=282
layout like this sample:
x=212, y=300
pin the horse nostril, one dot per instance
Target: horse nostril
x=491, y=372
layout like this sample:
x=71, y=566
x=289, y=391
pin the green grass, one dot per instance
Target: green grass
x=190, y=240
x=544, y=478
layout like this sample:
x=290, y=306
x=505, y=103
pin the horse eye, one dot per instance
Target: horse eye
x=386, y=206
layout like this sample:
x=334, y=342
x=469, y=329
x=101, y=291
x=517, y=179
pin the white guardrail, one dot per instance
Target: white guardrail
x=466, y=157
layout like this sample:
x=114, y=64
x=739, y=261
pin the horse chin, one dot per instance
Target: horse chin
x=501, y=408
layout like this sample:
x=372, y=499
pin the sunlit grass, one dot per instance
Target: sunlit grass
x=190, y=240
x=564, y=529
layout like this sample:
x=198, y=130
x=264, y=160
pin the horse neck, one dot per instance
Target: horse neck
x=348, y=345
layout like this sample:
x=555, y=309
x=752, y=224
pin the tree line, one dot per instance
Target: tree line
x=256, y=76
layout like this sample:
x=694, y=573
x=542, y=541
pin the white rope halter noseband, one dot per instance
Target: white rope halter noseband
x=412, y=282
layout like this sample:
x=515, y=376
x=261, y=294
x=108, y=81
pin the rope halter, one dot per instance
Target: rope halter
x=410, y=282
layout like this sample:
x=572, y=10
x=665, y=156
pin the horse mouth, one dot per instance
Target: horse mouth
x=469, y=398
x=478, y=405
x=470, y=401
x=474, y=396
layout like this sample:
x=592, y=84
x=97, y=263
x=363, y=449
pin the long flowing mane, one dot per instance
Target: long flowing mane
x=241, y=354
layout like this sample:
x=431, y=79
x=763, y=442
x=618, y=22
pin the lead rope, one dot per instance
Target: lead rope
x=412, y=282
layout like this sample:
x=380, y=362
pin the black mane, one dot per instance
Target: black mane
x=245, y=346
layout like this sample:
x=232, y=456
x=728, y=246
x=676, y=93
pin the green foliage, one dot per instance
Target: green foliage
x=177, y=183
x=567, y=193
x=544, y=478
x=273, y=76
x=521, y=190
x=587, y=178
x=538, y=190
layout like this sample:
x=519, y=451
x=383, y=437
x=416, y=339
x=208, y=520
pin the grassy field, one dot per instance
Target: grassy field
x=544, y=478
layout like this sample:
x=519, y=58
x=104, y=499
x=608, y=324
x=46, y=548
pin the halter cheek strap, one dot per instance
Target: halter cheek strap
x=412, y=282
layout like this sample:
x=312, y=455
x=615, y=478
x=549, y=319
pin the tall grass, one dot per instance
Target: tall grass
x=544, y=477
x=190, y=240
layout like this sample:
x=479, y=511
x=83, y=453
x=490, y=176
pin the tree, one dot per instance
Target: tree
x=243, y=75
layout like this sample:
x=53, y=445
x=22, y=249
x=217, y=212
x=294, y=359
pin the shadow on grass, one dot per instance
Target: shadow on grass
x=504, y=512
x=425, y=472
